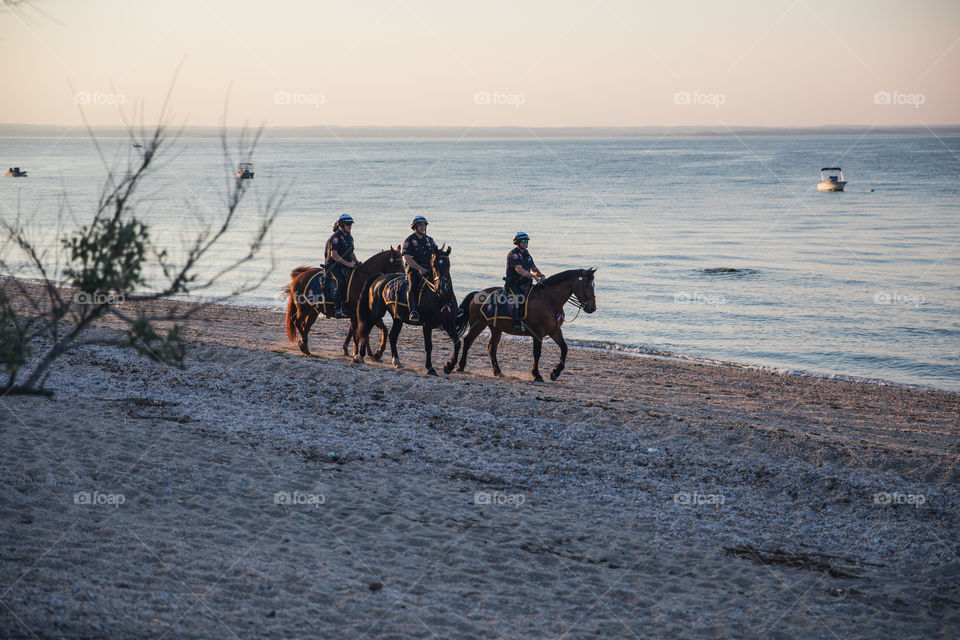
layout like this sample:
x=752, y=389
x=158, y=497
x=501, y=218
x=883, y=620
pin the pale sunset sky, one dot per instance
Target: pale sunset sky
x=448, y=62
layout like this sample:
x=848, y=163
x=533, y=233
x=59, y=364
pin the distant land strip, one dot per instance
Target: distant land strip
x=459, y=132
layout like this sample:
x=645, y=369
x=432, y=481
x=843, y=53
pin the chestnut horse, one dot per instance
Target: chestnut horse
x=302, y=311
x=438, y=306
x=544, y=317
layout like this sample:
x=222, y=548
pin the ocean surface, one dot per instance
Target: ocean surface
x=718, y=249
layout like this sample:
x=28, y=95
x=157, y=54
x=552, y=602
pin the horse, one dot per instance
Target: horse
x=544, y=317
x=302, y=310
x=437, y=306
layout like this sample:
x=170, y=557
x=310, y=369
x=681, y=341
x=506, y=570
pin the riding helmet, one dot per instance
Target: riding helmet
x=418, y=220
x=344, y=219
x=520, y=237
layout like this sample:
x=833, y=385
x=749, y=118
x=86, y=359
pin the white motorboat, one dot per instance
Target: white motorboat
x=831, y=181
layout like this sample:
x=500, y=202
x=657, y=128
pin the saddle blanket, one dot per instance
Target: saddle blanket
x=395, y=292
x=499, y=304
x=314, y=293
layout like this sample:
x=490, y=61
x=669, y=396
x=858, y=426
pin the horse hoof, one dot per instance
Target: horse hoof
x=447, y=368
x=358, y=360
x=397, y=364
x=498, y=374
x=554, y=374
x=537, y=377
x=303, y=349
x=378, y=356
x=431, y=372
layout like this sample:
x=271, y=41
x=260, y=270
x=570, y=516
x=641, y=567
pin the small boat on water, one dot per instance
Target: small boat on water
x=245, y=172
x=137, y=145
x=15, y=172
x=831, y=181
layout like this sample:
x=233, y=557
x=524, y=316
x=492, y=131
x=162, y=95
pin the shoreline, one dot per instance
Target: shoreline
x=633, y=496
x=605, y=346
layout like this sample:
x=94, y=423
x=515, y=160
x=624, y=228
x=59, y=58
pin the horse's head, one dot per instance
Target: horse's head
x=387, y=261
x=583, y=290
x=440, y=264
x=394, y=261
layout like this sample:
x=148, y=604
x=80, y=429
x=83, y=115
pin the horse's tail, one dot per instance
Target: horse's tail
x=463, y=314
x=364, y=306
x=291, y=314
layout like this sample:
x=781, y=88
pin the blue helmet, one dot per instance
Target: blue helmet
x=344, y=219
x=418, y=220
x=520, y=237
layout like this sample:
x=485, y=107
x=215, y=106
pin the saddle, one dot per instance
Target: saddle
x=499, y=305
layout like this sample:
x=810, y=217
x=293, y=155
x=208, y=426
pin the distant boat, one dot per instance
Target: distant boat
x=137, y=145
x=831, y=181
x=245, y=172
x=15, y=172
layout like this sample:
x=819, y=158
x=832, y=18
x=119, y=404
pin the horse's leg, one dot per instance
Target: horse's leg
x=557, y=336
x=492, y=349
x=476, y=328
x=537, y=348
x=304, y=327
x=452, y=332
x=428, y=347
x=394, y=332
x=352, y=333
x=383, y=341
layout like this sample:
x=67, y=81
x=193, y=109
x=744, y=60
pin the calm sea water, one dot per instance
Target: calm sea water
x=862, y=283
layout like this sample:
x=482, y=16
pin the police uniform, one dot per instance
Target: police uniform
x=515, y=283
x=518, y=258
x=342, y=243
x=421, y=249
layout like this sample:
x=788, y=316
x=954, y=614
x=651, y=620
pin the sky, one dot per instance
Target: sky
x=525, y=63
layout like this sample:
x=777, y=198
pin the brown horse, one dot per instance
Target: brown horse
x=302, y=311
x=544, y=317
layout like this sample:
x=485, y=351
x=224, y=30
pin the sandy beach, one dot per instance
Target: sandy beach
x=262, y=493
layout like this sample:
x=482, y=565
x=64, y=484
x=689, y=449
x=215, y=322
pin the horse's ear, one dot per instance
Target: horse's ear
x=592, y=269
x=449, y=249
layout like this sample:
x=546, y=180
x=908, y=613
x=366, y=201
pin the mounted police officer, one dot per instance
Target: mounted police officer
x=340, y=259
x=418, y=250
x=521, y=271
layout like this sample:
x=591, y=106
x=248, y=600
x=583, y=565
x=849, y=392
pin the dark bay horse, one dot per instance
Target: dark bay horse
x=438, y=306
x=302, y=310
x=544, y=317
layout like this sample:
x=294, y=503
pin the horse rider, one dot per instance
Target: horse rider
x=521, y=271
x=341, y=259
x=418, y=249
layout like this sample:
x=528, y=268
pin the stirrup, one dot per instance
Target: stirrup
x=413, y=316
x=341, y=312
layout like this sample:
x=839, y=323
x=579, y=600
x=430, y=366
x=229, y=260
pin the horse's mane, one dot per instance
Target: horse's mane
x=561, y=277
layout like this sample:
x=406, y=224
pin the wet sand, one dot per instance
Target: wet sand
x=263, y=493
